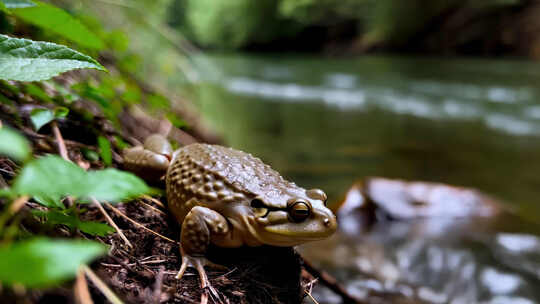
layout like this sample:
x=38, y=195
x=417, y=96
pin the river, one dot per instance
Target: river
x=326, y=123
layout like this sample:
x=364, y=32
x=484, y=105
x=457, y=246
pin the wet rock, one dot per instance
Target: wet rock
x=399, y=199
x=447, y=247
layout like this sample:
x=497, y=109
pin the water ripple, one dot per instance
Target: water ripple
x=505, y=109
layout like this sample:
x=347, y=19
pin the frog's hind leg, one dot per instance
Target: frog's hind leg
x=150, y=161
x=199, y=225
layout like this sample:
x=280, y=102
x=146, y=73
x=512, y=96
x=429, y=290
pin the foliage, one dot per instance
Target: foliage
x=41, y=262
x=26, y=258
x=58, y=21
x=41, y=117
x=310, y=12
x=14, y=146
x=27, y=60
x=105, y=150
x=69, y=219
x=229, y=24
x=58, y=178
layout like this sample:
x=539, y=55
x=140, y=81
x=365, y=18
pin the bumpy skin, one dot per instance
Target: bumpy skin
x=230, y=198
x=225, y=181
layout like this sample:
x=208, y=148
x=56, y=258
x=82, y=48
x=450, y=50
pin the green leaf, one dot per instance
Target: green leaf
x=61, y=218
x=51, y=178
x=50, y=202
x=114, y=185
x=105, y=150
x=58, y=21
x=95, y=228
x=60, y=112
x=42, y=262
x=41, y=117
x=13, y=144
x=17, y=3
x=27, y=60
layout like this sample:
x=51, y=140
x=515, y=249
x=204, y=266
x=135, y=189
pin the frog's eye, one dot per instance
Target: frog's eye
x=299, y=211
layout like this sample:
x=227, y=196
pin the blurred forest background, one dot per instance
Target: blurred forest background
x=472, y=27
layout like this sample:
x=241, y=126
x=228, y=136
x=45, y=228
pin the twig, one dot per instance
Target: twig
x=134, y=264
x=112, y=223
x=158, y=285
x=153, y=208
x=67, y=142
x=139, y=225
x=330, y=282
x=145, y=274
x=82, y=295
x=153, y=200
x=311, y=297
x=105, y=290
x=62, y=150
x=60, y=141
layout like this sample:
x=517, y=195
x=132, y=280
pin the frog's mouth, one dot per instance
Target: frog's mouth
x=291, y=234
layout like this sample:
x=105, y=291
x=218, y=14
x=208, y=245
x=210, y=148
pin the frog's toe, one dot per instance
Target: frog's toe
x=199, y=262
x=186, y=262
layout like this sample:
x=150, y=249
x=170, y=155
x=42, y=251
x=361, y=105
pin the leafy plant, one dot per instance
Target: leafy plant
x=27, y=60
x=71, y=220
x=60, y=187
x=58, y=21
x=42, y=262
x=41, y=117
x=39, y=262
x=105, y=150
x=58, y=178
x=14, y=145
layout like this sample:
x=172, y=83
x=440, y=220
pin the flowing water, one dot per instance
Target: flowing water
x=327, y=123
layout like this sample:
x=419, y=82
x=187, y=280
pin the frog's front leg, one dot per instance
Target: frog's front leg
x=151, y=160
x=199, y=225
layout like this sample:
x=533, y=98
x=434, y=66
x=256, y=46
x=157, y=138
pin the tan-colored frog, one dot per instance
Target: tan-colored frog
x=229, y=198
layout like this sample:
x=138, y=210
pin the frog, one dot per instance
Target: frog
x=228, y=198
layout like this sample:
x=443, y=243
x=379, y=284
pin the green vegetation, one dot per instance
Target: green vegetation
x=41, y=262
x=56, y=188
x=48, y=180
x=26, y=60
x=234, y=24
